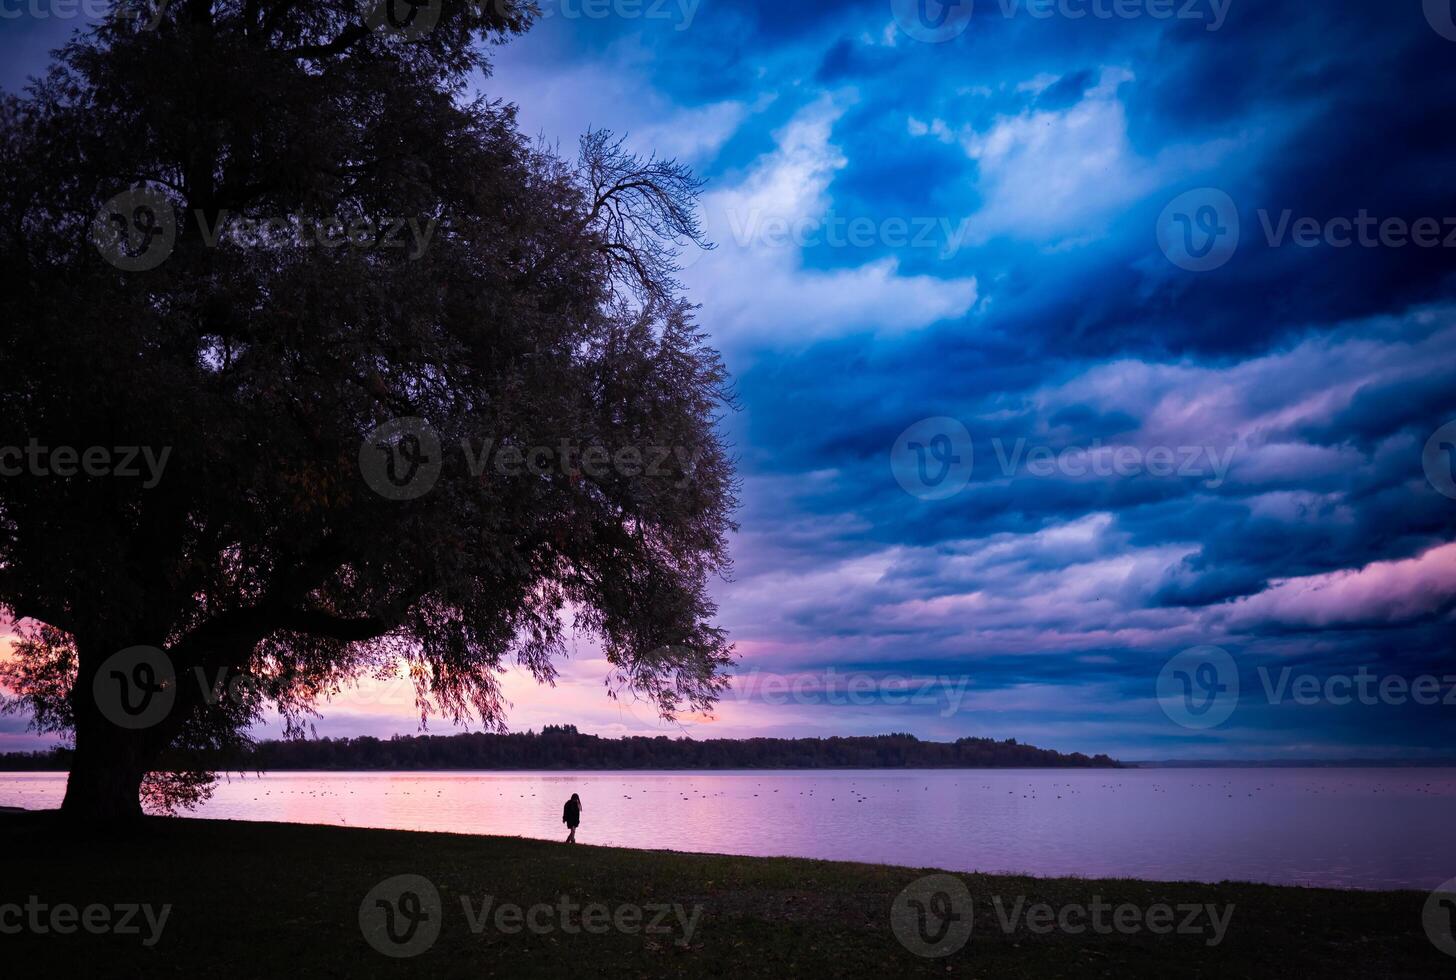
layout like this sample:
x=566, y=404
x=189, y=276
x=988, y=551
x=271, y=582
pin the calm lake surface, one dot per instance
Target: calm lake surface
x=1344, y=828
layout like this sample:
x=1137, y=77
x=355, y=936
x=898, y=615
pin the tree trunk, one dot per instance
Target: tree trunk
x=106, y=775
x=111, y=758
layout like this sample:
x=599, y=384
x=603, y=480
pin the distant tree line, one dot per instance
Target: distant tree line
x=563, y=747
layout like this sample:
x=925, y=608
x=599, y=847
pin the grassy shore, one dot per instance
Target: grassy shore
x=258, y=899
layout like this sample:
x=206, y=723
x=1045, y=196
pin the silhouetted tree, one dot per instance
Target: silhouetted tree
x=305, y=529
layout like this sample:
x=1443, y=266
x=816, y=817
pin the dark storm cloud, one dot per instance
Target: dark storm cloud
x=1052, y=321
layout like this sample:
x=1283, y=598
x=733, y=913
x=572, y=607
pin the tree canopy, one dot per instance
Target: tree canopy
x=319, y=367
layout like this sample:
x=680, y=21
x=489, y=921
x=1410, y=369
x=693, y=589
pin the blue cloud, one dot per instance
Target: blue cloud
x=1034, y=158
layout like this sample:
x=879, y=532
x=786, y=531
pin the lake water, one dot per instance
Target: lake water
x=1344, y=828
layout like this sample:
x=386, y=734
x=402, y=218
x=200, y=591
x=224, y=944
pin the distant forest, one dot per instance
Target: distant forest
x=563, y=747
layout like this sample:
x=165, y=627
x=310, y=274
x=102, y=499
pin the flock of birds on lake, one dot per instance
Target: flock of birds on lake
x=856, y=796
x=1429, y=788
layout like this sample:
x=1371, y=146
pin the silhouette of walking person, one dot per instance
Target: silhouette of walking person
x=571, y=816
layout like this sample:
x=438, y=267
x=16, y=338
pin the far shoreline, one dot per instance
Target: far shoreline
x=583, y=770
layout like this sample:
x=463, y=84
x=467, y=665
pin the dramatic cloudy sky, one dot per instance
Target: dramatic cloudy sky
x=1061, y=251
